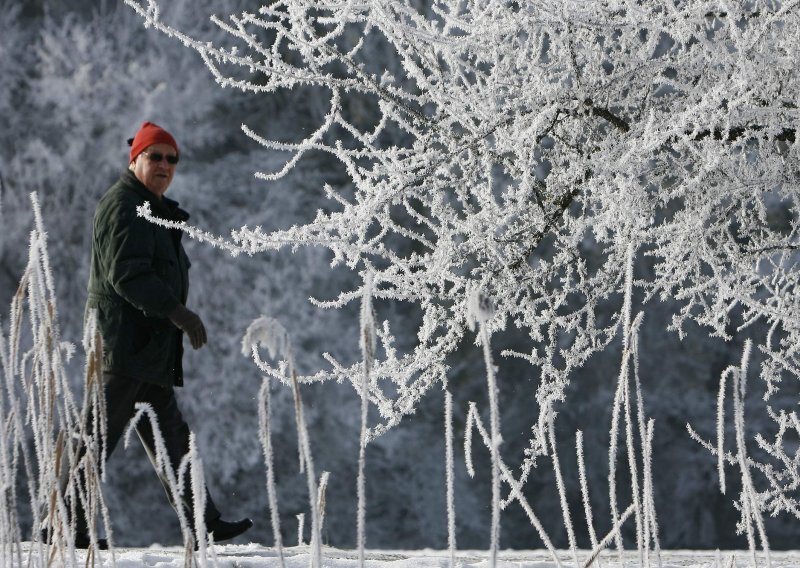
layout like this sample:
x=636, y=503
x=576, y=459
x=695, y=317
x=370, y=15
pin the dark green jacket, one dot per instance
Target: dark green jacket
x=139, y=274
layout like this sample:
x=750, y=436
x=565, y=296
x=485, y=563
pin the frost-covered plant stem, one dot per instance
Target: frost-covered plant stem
x=751, y=511
x=270, y=333
x=622, y=401
x=10, y=443
x=316, y=546
x=494, y=447
x=607, y=539
x=634, y=470
x=651, y=521
x=367, y=354
x=619, y=397
x=562, y=493
x=265, y=431
x=164, y=469
x=473, y=418
x=198, y=484
x=612, y=452
x=63, y=469
x=721, y=427
x=321, y=497
x=451, y=509
x=587, y=504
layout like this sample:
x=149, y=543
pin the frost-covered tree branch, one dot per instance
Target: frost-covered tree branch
x=523, y=148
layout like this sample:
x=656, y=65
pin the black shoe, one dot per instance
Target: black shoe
x=226, y=530
x=82, y=540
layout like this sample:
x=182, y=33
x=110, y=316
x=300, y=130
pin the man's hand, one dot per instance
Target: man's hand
x=191, y=324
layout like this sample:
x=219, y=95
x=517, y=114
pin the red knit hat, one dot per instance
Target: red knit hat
x=149, y=134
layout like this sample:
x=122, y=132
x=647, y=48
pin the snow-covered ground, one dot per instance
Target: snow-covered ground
x=255, y=555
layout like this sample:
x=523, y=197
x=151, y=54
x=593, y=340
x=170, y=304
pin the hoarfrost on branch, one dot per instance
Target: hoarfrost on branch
x=524, y=149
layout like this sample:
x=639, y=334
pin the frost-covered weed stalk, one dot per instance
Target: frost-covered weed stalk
x=265, y=435
x=524, y=148
x=368, y=343
x=193, y=530
x=272, y=335
x=479, y=313
x=67, y=464
x=449, y=477
x=46, y=431
x=750, y=502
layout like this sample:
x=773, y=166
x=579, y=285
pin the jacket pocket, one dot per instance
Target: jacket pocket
x=151, y=345
x=109, y=324
x=165, y=267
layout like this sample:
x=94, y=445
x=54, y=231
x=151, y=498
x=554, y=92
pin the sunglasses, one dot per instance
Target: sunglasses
x=158, y=156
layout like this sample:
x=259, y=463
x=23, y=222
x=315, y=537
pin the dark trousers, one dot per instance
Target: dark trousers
x=122, y=394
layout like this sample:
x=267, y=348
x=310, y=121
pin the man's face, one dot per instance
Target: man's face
x=155, y=175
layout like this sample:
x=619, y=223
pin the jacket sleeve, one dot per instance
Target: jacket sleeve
x=129, y=252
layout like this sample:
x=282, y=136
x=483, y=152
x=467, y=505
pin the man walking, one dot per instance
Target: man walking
x=138, y=287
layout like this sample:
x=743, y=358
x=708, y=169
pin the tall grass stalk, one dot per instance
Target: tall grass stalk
x=516, y=487
x=587, y=504
x=721, y=428
x=649, y=520
x=613, y=534
x=367, y=345
x=164, y=469
x=451, y=509
x=10, y=450
x=301, y=521
x=265, y=431
x=634, y=470
x=751, y=511
x=479, y=312
x=272, y=334
x=562, y=493
x=468, y=427
x=62, y=471
x=316, y=547
x=620, y=398
x=94, y=417
x=198, y=484
x=44, y=408
x=321, y=497
x=12, y=439
x=612, y=453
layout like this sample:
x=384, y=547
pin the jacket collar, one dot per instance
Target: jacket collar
x=164, y=207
